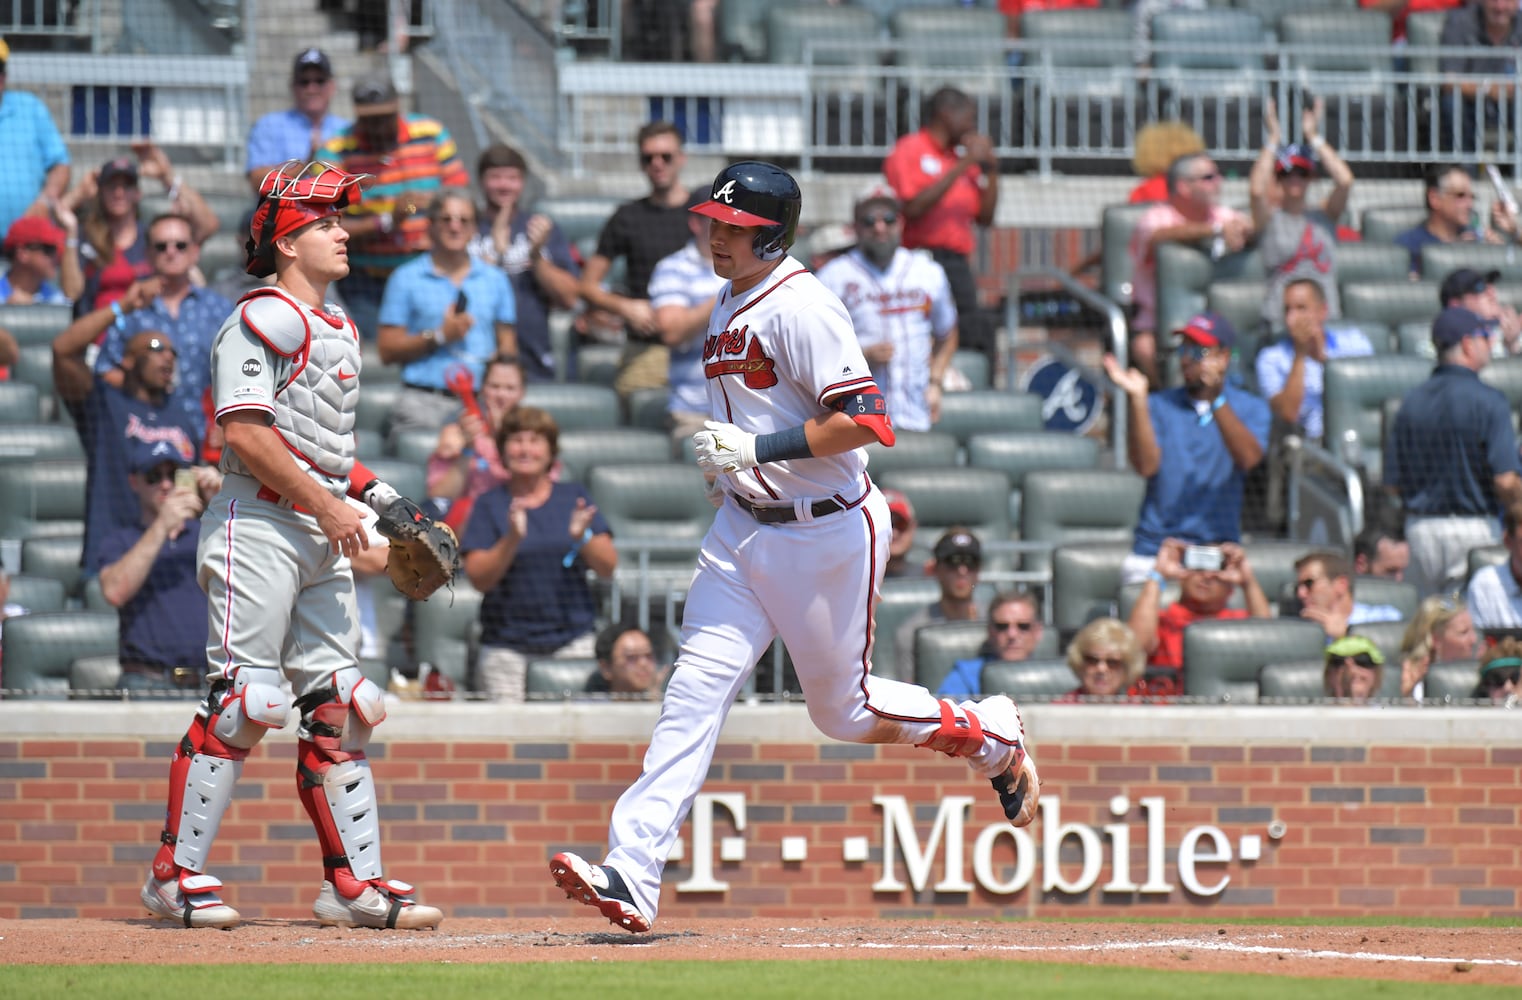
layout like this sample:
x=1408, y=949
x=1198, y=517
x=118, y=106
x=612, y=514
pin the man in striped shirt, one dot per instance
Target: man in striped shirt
x=411, y=157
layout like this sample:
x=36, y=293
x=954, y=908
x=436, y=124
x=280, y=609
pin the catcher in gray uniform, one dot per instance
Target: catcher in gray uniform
x=274, y=562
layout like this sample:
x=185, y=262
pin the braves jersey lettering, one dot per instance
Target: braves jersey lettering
x=753, y=365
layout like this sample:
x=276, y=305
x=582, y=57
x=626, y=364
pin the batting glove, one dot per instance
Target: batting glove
x=724, y=447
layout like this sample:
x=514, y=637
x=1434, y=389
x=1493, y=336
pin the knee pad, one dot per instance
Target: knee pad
x=251, y=706
x=341, y=714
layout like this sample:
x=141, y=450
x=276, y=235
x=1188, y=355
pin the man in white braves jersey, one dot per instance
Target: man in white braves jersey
x=901, y=306
x=795, y=404
x=274, y=553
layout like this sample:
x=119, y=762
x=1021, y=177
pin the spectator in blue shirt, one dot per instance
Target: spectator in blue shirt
x=443, y=311
x=1014, y=631
x=1324, y=586
x=1193, y=443
x=299, y=131
x=1292, y=370
x=1450, y=215
x=1451, y=456
x=148, y=573
x=36, y=170
x=533, y=253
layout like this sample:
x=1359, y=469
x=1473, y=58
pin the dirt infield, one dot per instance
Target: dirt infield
x=1427, y=954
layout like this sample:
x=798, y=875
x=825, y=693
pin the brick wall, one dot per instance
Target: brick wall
x=1368, y=827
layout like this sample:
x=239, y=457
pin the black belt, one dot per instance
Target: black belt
x=429, y=388
x=782, y=515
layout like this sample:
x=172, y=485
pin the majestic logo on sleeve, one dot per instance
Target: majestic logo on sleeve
x=726, y=194
x=736, y=352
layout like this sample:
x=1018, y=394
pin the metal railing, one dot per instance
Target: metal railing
x=51, y=19
x=853, y=99
x=1326, y=501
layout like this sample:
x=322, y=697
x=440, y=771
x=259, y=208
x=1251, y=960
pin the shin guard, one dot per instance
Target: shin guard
x=334, y=781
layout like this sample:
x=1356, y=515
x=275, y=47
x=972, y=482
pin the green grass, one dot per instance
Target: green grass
x=784, y=980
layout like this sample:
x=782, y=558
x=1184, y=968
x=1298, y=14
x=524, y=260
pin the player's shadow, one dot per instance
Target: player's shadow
x=616, y=938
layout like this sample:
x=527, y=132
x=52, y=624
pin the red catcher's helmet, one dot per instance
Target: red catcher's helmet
x=753, y=193
x=292, y=195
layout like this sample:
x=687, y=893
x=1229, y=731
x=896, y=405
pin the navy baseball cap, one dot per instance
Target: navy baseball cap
x=1456, y=323
x=145, y=455
x=958, y=542
x=1466, y=281
x=312, y=59
x=1209, y=330
x=1294, y=156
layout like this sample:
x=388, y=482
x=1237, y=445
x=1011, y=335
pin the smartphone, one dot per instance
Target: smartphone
x=1209, y=558
x=460, y=302
x=185, y=479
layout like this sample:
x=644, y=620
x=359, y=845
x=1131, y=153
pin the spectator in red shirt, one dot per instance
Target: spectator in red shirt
x=1203, y=595
x=946, y=177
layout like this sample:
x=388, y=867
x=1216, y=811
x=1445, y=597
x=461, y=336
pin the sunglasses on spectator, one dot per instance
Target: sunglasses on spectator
x=158, y=344
x=312, y=81
x=1202, y=178
x=1194, y=352
x=1361, y=660
x=883, y=218
x=163, y=247
x=959, y=561
x=46, y=248
x=1115, y=662
x=1500, y=678
x=998, y=626
x=1308, y=582
x=648, y=158
x=158, y=475
x=464, y=220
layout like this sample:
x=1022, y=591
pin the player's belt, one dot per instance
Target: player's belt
x=270, y=496
x=428, y=388
x=782, y=515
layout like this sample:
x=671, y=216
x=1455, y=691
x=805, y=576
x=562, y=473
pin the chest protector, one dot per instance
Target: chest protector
x=317, y=377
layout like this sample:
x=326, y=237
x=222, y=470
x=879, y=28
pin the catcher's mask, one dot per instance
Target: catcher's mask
x=292, y=195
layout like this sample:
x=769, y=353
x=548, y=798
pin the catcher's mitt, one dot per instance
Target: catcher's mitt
x=424, y=556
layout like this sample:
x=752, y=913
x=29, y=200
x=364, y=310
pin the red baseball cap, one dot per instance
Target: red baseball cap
x=1210, y=330
x=33, y=229
x=899, y=505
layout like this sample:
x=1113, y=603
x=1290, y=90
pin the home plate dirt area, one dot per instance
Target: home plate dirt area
x=1428, y=954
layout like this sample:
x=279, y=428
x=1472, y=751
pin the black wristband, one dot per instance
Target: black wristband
x=780, y=446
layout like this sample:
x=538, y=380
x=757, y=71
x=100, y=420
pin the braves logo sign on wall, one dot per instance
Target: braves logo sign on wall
x=1070, y=401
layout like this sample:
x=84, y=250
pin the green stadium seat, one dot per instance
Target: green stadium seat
x=1273, y=11
x=36, y=593
x=1387, y=636
x=376, y=401
x=19, y=403
x=41, y=498
x=1273, y=563
x=898, y=599
x=1383, y=223
x=1085, y=582
x=1370, y=261
x=38, y=442
x=647, y=408
x=1390, y=302
x=790, y=29
x=96, y=677
x=1380, y=337
x=1062, y=506
x=1029, y=680
x=1222, y=658
x=661, y=503
x=557, y=680
x=35, y=324
x=1117, y=223
x=39, y=649
x=958, y=46
x=56, y=557
x=446, y=630
x=583, y=451
x=1424, y=30
x=913, y=450
x=1357, y=390
x=1294, y=681
x=937, y=647
x=1415, y=339
x=1382, y=590
x=1090, y=51
x=974, y=367
x=413, y=445
x=598, y=363
x=575, y=405
x=1338, y=52
x=409, y=478
x=1441, y=259
x=1018, y=453
x=1447, y=682
x=983, y=411
x=977, y=499
x=1190, y=44
x=1505, y=374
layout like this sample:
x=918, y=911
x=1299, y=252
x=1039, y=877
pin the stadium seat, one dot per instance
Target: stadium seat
x=409, y=478
x=1390, y=302
x=34, y=366
x=1017, y=453
x=35, y=324
x=974, y=367
x=1293, y=681
x=1446, y=682
x=1061, y=506
x=1379, y=335
x=958, y=46
x=1089, y=51
x=1371, y=261
x=1357, y=390
x=37, y=442
x=598, y=363
x=742, y=30
x=557, y=680
x=39, y=648
x=975, y=498
x=1424, y=29
x=660, y=503
x=1383, y=223
x=1222, y=658
x=1117, y=223
x=376, y=401
x=97, y=677
x=1241, y=302
x=647, y=408
x=56, y=557
x=582, y=216
x=1085, y=582
x=790, y=29
x=1387, y=636
x=1485, y=555
x=1273, y=11
x=42, y=498
x=446, y=629
x=898, y=599
x=36, y=593
x=1035, y=679
x=19, y=404
x=1415, y=339
x=1175, y=306
x=1336, y=52
x=413, y=445
x=582, y=451
x=1210, y=62
x=1273, y=563
x=1382, y=590
x=981, y=411
x=913, y=450
x=574, y=405
x=938, y=646
x=1441, y=259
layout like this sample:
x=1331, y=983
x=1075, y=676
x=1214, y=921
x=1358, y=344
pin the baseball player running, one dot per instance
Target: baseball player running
x=794, y=404
x=274, y=555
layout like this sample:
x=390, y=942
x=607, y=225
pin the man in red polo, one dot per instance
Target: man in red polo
x=946, y=177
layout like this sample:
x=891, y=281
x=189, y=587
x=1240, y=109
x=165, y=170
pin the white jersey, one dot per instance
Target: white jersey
x=773, y=354
x=908, y=305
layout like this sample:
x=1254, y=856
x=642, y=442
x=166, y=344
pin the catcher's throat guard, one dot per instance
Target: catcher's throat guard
x=292, y=195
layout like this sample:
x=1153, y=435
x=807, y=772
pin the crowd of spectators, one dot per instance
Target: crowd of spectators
x=455, y=274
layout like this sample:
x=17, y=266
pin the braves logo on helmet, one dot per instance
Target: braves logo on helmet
x=763, y=195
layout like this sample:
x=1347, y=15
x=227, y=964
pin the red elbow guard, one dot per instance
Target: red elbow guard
x=870, y=410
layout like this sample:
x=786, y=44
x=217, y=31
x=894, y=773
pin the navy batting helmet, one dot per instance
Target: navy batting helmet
x=752, y=193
